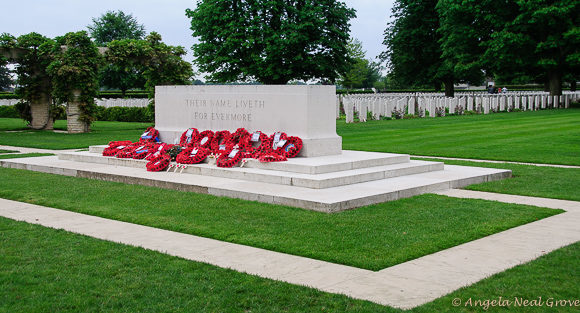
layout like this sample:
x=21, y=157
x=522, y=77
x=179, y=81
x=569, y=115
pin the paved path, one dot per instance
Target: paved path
x=495, y=161
x=406, y=285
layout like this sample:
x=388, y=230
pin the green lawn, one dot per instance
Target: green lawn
x=549, y=136
x=23, y=155
x=529, y=180
x=47, y=270
x=102, y=133
x=372, y=237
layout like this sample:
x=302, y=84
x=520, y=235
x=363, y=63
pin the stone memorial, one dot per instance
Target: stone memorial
x=304, y=111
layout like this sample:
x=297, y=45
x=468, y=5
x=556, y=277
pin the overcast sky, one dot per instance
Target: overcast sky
x=53, y=18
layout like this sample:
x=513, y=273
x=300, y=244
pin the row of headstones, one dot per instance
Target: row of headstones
x=107, y=103
x=376, y=107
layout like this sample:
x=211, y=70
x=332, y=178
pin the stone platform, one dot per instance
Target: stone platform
x=327, y=183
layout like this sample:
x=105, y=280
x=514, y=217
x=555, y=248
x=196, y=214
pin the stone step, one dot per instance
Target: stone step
x=332, y=199
x=315, y=181
x=348, y=160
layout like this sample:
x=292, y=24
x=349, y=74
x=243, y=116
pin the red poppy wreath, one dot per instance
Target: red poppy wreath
x=192, y=155
x=229, y=158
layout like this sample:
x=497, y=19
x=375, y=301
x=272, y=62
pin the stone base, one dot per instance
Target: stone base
x=327, y=184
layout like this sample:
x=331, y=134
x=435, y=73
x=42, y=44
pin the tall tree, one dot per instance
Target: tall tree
x=357, y=71
x=160, y=63
x=115, y=26
x=272, y=41
x=544, y=36
x=413, y=55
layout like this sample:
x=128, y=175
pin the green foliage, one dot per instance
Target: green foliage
x=542, y=36
x=6, y=80
x=74, y=69
x=29, y=53
x=160, y=63
x=9, y=111
x=123, y=114
x=413, y=54
x=115, y=26
x=361, y=73
x=272, y=41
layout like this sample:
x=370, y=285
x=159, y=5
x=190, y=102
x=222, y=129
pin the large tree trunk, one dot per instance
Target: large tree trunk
x=73, y=113
x=555, y=82
x=449, y=88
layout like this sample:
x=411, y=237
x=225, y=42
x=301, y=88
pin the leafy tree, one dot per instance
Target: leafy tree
x=272, y=41
x=115, y=26
x=28, y=53
x=413, y=55
x=358, y=69
x=118, y=26
x=160, y=64
x=544, y=37
x=5, y=76
x=74, y=72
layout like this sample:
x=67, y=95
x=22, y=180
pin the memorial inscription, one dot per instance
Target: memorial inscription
x=304, y=111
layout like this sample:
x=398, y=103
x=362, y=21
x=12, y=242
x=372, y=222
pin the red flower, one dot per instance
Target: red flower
x=192, y=155
x=189, y=137
x=230, y=158
x=158, y=163
x=205, y=139
x=220, y=138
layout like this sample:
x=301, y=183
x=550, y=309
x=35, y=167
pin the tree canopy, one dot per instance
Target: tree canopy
x=115, y=26
x=362, y=73
x=453, y=41
x=272, y=41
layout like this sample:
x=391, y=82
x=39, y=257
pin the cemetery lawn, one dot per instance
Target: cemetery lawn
x=48, y=270
x=548, y=136
x=528, y=180
x=372, y=237
x=13, y=132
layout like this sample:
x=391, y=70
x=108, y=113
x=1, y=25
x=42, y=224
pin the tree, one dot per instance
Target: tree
x=542, y=37
x=272, y=41
x=413, y=55
x=118, y=26
x=160, y=63
x=5, y=76
x=356, y=73
x=115, y=26
x=74, y=73
x=28, y=53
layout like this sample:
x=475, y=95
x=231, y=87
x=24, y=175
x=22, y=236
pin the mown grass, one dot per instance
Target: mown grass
x=372, y=237
x=528, y=180
x=47, y=270
x=13, y=132
x=549, y=136
x=2, y=151
x=23, y=155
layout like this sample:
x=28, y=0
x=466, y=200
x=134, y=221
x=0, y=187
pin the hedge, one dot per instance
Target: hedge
x=113, y=114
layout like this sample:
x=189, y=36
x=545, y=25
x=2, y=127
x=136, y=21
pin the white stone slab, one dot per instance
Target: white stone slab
x=305, y=111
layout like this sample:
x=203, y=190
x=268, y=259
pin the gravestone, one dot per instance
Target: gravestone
x=304, y=111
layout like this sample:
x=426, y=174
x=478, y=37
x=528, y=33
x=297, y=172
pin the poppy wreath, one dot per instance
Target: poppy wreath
x=205, y=139
x=263, y=141
x=239, y=137
x=224, y=159
x=189, y=137
x=116, y=146
x=220, y=138
x=283, y=136
x=141, y=152
x=127, y=152
x=186, y=156
x=271, y=157
x=151, y=134
x=158, y=163
x=158, y=150
x=291, y=148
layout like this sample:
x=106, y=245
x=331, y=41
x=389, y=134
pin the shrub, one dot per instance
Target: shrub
x=9, y=111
